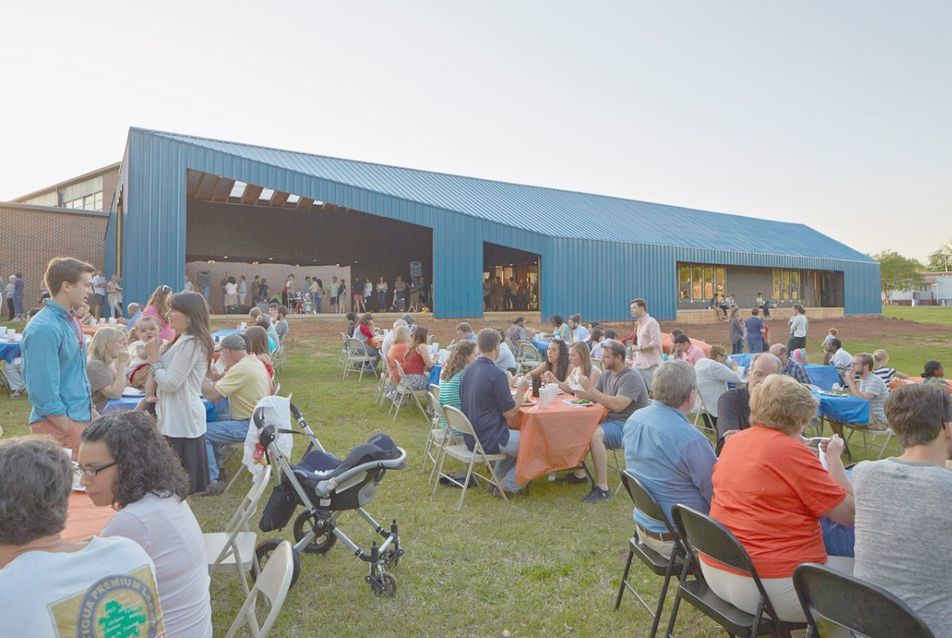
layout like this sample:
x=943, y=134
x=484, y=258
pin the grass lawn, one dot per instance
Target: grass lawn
x=923, y=314
x=543, y=565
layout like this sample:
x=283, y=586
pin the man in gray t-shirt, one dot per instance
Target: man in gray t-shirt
x=864, y=384
x=904, y=508
x=620, y=390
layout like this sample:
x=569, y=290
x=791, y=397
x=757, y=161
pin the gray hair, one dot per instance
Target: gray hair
x=673, y=382
x=768, y=356
x=36, y=478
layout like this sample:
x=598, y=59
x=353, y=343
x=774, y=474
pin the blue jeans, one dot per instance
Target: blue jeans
x=218, y=434
x=506, y=469
x=316, y=303
x=755, y=347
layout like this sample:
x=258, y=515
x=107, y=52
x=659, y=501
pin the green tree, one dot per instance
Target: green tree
x=898, y=272
x=941, y=259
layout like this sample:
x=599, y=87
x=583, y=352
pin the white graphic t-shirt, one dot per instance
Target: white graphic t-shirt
x=105, y=590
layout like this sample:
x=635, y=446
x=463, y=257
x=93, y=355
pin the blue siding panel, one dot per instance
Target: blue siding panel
x=580, y=273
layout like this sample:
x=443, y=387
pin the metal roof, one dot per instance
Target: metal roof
x=540, y=210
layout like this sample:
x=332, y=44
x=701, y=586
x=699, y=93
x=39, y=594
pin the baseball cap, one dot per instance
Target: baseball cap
x=234, y=342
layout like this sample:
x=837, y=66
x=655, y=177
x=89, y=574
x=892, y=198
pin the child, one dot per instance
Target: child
x=138, y=372
x=830, y=336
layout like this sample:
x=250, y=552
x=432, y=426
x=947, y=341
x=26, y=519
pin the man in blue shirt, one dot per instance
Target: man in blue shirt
x=487, y=402
x=54, y=356
x=671, y=458
x=135, y=313
x=579, y=332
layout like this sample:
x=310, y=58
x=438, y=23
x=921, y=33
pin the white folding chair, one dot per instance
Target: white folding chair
x=403, y=391
x=456, y=420
x=700, y=410
x=528, y=356
x=383, y=383
x=343, y=351
x=280, y=358
x=234, y=549
x=357, y=357
x=274, y=583
x=435, y=437
x=865, y=430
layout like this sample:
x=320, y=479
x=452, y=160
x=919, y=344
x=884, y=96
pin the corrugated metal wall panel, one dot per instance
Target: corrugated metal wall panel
x=592, y=276
x=531, y=208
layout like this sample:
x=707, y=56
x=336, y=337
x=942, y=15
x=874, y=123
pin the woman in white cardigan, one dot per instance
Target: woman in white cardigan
x=179, y=370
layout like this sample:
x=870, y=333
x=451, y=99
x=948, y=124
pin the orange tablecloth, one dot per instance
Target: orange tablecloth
x=554, y=438
x=84, y=519
x=898, y=383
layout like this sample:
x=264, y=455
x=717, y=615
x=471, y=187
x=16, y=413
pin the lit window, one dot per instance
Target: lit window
x=266, y=194
x=238, y=190
x=294, y=199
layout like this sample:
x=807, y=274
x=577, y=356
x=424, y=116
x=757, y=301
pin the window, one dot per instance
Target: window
x=684, y=282
x=698, y=283
x=790, y=285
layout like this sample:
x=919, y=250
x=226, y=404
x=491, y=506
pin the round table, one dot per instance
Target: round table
x=555, y=437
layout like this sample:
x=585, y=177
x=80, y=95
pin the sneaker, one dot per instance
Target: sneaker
x=597, y=495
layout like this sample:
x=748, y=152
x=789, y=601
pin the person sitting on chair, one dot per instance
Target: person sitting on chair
x=770, y=491
x=488, y=404
x=244, y=383
x=908, y=500
x=686, y=350
x=733, y=408
x=45, y=578
x=713, y=375
x=864, y=384
x=621, y=390
x=667, y=454
x=790, y=367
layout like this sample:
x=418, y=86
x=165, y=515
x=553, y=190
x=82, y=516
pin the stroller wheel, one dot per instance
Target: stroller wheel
x=322, y=527
x=263, y=552
x=384, y=585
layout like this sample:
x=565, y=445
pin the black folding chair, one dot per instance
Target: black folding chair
x=848, y=602
x=702, y=534
x=657, y=563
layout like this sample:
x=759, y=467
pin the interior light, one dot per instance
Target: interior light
x=270, y=258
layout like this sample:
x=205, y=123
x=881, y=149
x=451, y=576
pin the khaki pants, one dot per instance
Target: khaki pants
x=69, y=439
x=662, y=547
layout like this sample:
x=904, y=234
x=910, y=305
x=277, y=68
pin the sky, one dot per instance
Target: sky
x=837, y=115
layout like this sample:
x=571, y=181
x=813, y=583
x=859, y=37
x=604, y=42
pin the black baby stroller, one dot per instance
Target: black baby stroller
x=327, y=486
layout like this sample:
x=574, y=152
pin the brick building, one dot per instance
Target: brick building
x=32, y=235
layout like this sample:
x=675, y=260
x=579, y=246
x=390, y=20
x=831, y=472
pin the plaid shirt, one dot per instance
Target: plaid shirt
x=797, y=371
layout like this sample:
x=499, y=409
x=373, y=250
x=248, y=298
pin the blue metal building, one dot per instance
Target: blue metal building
x=621, y=248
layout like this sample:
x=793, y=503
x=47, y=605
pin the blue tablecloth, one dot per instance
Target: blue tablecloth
x=541, y=346
x=843, y=407
x=9, y=350
x=822, y=377
x=742, y=359
x=218, y=335
x=129, y=403
x=435, y=374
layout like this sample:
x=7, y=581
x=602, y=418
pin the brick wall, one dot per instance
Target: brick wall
x=30, y=236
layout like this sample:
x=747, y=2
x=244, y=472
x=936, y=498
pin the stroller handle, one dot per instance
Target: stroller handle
x=323, y=488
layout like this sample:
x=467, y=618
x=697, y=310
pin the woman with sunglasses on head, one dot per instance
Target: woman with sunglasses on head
x=158, y=307
x=179, y=369
x=126, y=465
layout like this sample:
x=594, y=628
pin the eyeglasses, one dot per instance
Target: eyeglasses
x=90, y=471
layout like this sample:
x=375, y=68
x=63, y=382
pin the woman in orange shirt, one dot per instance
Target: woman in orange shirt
x=770, y=490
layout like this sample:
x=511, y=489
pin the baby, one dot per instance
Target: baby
x=138, y=373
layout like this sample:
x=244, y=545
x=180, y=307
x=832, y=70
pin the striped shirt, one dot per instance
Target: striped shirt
x=886, y=374
x=449, y=394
